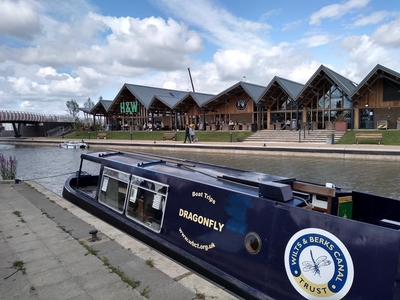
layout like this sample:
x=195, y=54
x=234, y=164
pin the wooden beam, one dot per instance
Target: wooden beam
x=313, y=189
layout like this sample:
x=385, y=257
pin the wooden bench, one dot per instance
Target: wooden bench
x=169, y=135
x=369, y=136
x=102, y=135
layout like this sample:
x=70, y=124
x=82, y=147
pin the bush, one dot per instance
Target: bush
x=8, y=167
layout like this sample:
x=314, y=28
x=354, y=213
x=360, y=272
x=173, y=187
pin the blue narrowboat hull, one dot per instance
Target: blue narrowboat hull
x=255, y=234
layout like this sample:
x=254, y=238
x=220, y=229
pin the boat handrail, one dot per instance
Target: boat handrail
x=109, y=153
x=178, y=161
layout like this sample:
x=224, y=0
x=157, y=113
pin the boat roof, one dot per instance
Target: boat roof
x=222, y=176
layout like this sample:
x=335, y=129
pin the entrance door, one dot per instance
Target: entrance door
x=366, y=118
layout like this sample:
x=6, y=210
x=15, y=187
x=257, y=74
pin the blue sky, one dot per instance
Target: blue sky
x=55, y=51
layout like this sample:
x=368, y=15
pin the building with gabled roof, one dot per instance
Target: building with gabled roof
x=278, y=102
x=317, y=104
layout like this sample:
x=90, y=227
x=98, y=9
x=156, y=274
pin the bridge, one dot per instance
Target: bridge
x=16, y=118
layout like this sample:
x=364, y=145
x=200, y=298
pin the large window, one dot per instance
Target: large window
x=391, y=90
x=147, y=202
x=113, y=188
x=143, y=200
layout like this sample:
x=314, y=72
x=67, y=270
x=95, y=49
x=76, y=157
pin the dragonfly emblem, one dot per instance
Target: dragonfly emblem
x=315, y=265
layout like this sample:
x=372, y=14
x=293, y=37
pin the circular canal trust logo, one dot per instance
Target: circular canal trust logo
x=318, y=264
x=241, y=104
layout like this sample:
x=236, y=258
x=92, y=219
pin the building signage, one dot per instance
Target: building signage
x=241, y=104
x=128, y=107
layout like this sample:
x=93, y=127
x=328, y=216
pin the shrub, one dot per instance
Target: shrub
x=8, y=167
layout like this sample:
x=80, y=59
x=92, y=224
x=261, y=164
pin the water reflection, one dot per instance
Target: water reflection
x=50, y=166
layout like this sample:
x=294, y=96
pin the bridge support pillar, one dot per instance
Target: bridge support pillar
x=17, y=129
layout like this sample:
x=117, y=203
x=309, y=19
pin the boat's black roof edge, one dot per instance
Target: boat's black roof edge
x=162, y=158
x=255, y=183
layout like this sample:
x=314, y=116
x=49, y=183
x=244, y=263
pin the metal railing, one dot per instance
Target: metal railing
x=60, y=130
x=306, y=127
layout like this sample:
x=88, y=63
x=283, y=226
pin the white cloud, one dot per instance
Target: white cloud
x=373, y=18
x=145, y=43
x=388, y=34
x=301, y=73
x=316, y=40
x=334, y=11
x=218, y=25
x=18, y=19
x=233, y=64
x=292, y=25
x=76, y=52
x=363, y=55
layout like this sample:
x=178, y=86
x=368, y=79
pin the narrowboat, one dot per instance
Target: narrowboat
x=260, y=236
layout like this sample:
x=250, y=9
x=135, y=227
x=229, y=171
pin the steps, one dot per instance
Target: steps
x=288, y=136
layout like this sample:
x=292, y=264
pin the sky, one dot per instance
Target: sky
x=55, y=51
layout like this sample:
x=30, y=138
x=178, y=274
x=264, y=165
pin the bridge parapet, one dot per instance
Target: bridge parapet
x=26, y=117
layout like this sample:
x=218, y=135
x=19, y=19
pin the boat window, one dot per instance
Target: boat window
x=252, y=243
x=147, y=202
x=113, y=189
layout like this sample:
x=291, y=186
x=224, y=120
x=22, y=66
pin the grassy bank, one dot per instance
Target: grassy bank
x=389, y=137
x=204, y=136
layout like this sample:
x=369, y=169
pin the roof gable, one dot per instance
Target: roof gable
x=377, y=72
x=147, y=94
x=346, y=85
x=253, y=90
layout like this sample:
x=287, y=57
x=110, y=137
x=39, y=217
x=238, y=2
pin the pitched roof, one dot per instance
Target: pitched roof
x=146, y=94
x=346, y=85
x=101, y=106
x=253, y=90
x=378, y=72
x=292, y=88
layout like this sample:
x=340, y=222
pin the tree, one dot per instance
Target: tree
x=88, y=103
x=73, y=108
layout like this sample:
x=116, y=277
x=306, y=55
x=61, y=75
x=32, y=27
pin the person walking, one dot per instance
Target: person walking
x=192, y=132
x=187, y=134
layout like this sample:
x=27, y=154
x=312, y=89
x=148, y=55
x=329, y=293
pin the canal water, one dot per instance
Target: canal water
x=50, y=166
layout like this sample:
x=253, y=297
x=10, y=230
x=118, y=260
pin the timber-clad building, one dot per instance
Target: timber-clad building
x=327, y=100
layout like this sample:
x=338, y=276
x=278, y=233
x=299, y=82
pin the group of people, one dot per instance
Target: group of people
x=189, y=133
x=150, y=127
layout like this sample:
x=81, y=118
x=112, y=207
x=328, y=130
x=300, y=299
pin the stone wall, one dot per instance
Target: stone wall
x=390, y=114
